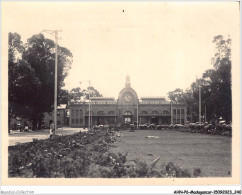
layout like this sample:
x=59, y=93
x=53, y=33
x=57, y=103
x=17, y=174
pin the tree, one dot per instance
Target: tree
x=177, y=95
x=33, y=65
x=93, y=93
x=221, y=95
x=215, y=87
x=63, y=97
x=40, y=53
x=76, y=94
x=22, y=82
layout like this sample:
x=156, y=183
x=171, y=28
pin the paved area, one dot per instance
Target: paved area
x=22, y=137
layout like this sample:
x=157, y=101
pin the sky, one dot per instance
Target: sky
x=161, y=46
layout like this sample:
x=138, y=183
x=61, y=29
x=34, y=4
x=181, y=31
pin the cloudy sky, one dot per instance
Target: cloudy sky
x=161, y=46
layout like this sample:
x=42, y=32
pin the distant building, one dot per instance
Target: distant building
x=19, y=122
x=62, y=117
x=127, y=108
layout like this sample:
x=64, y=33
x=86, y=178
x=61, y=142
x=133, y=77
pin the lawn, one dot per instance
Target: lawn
x=211, y=153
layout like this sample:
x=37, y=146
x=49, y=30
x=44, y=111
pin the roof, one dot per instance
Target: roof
x=153, y=98
x=102, y=98
x=62, y=106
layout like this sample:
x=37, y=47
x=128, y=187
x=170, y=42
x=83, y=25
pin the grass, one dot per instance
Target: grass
x=211, y=153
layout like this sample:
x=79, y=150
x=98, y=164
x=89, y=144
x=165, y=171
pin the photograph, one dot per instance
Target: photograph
x=121, y=93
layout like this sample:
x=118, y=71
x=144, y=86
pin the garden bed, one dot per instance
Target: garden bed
x=83, y=155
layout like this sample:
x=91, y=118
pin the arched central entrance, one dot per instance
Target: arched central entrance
x=127, y=117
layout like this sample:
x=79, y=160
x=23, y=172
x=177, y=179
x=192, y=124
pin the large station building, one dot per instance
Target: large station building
x=127, y=108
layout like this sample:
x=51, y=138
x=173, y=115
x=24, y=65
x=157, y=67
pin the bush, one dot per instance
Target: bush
x=82, y=155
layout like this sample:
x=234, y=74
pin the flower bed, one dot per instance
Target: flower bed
x=82, y=155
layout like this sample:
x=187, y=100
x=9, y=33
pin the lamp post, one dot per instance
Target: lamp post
x=137, y=113
x=199, y=103
x=55, y=33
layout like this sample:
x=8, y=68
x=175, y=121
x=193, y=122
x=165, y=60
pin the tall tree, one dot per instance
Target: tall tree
x=40, y=53
x=215, y=87
x=221, y=79
x=33, y=65
x=76, y=94
x=177, y=95
x=22, y=82
x=93, y=92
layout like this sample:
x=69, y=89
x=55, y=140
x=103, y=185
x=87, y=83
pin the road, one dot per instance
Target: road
x=16, y=137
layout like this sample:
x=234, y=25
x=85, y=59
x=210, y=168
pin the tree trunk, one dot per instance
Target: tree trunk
x=34, y=125
x=39, y=124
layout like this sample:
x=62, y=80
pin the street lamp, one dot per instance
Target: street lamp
x=137, y=113
x=55, y=33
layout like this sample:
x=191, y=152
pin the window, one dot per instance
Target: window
x=165, y=112
x=58, y=122
x=178, y=121
x=178, y=111
x=100, y=113
x=127, y=119
x=77, y=112
x=77, y=121
x=174, y=121
x=72, y=112
x=111, y=112
x=81, y=120
x=182, y=111
x=174, y=111
x=58, y=113
x=72, y=121
x=87, y=113
x=154, y=112
x=182, y=121
x=144, y=112
x=81, y=112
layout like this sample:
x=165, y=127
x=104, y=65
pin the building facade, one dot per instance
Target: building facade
x=127, y=108
x=62, y=117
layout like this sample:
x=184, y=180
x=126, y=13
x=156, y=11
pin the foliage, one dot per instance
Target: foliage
x=93, y=92
x=22, y=80
x=82, y=155
x=215, y=87
x=77, y=94
x=31, y=75
x=177, y=95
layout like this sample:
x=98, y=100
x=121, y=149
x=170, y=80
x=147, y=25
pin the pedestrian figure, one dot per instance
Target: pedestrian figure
x=52, y=129
x=26, y=127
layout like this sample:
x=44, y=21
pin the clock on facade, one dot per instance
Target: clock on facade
x=127, y=98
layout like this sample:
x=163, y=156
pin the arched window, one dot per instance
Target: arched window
x=111, y=112
x=154, y=113
x=100, y=113
x=128, y=113
x=144, y=112
x=165, y=112
x=87, y=113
